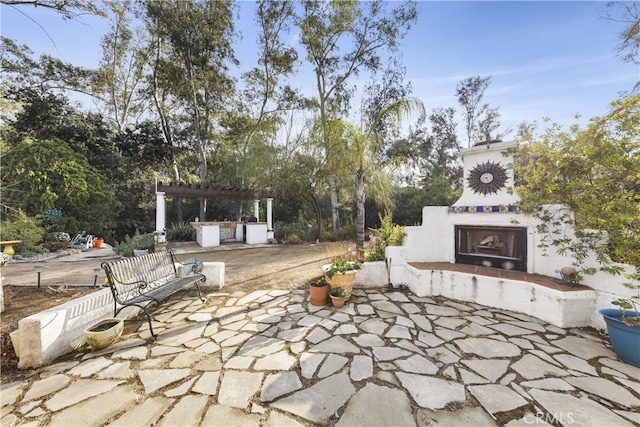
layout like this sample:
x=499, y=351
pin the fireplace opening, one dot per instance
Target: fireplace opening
x=499, y=247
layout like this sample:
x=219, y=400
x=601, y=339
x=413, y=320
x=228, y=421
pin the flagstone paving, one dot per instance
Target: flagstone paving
x=269, y=358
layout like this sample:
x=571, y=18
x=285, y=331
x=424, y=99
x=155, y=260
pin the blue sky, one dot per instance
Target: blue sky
x=546, y=58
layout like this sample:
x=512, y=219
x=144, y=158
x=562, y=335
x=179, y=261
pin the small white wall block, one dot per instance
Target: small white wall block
x=372, y=275
x=207, y=233
x=256, y=233
x=215, y=275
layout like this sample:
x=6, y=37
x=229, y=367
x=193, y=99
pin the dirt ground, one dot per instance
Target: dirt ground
x=69, y=276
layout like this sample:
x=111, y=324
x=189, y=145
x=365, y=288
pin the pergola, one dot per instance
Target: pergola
x=212, y=192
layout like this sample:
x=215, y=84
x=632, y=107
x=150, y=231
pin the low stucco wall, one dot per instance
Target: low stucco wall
x=565, y=309
x=49, y=334
x=372, y=275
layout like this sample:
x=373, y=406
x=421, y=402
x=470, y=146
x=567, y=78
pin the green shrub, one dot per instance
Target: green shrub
x=55, y=246
x=180, y=232
x=139, y=241
x=293, y=239
x=389, y=234
x=24, y=228
x=298, y=231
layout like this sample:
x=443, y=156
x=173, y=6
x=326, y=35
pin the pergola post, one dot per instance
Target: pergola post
x=160, y=211
x=270, y=234
x=256, y=209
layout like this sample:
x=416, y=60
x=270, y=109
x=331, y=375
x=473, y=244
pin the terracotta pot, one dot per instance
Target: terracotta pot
x=337, y=302
x=104, y=333
x=97, y=243
x=342, y=280
x=319, y=294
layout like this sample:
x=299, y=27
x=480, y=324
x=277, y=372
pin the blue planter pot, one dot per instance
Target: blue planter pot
x=625, y=340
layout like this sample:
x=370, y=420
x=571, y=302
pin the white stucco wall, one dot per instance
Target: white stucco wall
x=49, y=334
x=434, y=241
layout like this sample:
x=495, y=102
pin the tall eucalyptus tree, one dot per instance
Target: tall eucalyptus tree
x=266, y=97
x=119, y=81
x=198, y=36
x=343, y=39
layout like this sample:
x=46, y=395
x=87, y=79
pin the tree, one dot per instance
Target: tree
x=117, y=84
x=594, y=172
x=627, y=13
x=480, y=120
x=43, y=174
x=362, y=149
x=198, y=37
x=342, y=39
x=253, y=124
x=46, y=115
x=69, y=9
x=48, y=74
x=429, y=158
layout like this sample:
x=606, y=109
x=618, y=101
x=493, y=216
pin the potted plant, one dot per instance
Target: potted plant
x=341, y=273
x=338, y=296
x=623, y=326
x=318, y=291
x=98, y=242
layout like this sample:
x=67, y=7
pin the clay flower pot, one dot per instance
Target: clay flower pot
x=337, y=302
x=338, y=296
x=341, y=273
x=319, y=292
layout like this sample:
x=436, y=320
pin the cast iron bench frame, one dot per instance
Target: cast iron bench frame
x=150, y=278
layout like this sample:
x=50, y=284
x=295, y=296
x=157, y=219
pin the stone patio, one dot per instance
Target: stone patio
x=268, y=358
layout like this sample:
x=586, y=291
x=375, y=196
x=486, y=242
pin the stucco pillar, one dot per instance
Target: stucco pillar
x=269, y=218
x=160, y=211
x=256, y=210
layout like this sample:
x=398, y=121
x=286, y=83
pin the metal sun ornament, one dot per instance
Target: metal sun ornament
x=486, y=178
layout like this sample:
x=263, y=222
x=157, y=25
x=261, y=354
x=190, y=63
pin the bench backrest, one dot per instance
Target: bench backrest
x=126, y=276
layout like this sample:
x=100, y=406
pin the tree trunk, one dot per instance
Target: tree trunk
x=360, y=197
x=335, y=211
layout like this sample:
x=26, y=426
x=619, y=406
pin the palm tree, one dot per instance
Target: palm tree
x=362, y=147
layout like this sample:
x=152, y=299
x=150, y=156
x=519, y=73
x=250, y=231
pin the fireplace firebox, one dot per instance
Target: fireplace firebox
x=500, y=247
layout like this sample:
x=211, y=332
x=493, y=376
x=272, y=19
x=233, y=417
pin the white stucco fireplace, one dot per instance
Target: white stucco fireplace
x=485, y=228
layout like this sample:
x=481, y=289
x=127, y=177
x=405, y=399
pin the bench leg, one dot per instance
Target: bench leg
x=155, y=336
x=200, y=293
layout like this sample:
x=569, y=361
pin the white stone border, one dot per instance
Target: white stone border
x=565, y=309
x=49, y=334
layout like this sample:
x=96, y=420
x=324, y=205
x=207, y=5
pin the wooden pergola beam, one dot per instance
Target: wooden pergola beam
x=217, y=192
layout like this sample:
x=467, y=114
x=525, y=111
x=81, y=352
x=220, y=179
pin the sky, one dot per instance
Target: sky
x=545, y=58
